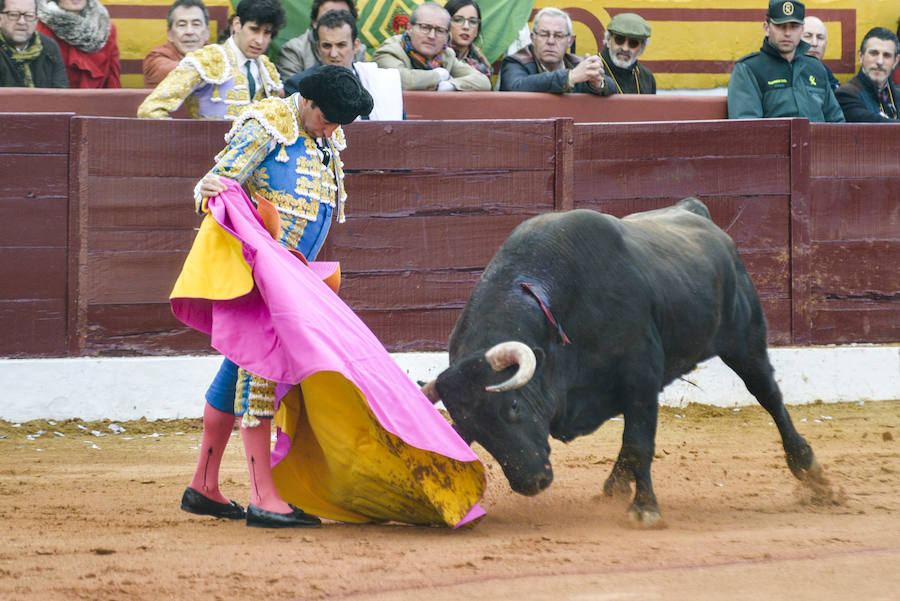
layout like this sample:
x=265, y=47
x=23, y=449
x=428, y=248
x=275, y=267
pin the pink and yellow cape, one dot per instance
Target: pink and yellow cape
x=357, y=441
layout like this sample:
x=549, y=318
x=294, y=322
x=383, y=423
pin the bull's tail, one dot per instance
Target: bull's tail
x=694, y=206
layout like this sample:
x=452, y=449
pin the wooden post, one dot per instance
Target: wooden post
x=801, y=283
x=76, y=324
x=564, y=192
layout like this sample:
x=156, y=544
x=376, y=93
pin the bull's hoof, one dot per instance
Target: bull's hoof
x=645, y=518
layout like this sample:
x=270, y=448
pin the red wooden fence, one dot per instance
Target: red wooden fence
x=95, y=218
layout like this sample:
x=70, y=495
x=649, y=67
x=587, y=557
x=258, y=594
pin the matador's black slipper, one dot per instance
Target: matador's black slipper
x=260, y=518
x=194, y=502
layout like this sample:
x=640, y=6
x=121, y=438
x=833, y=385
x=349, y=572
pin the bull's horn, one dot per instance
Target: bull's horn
x=509, y=353
x=430, y=391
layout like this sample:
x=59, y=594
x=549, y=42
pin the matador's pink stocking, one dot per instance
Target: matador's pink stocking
x=257, y=445
x=217, y=428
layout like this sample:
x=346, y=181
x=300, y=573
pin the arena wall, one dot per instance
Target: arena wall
x=95, y=219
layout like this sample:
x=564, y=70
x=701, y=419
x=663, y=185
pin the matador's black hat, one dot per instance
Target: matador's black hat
x=337, y=92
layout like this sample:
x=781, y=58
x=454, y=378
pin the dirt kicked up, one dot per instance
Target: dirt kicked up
x=91, y=511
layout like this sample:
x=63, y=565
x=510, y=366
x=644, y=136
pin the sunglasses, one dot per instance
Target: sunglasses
x=632, y=42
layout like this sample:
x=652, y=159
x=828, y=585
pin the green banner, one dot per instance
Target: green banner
x=501, y=22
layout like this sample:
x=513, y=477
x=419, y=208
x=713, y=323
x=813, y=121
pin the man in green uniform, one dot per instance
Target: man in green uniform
x=781, y=80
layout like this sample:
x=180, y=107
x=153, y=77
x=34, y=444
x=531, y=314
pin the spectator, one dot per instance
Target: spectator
x=626, y=38
x=337, y=42
x=187, y=27
x=219, y=80
x=781, y=80
x=301, y=53
x=465, y=27
x=27, y=59
x=86, y=39
x=816, y=35
x=545, y=66
x=422, y=55
x=870, y=96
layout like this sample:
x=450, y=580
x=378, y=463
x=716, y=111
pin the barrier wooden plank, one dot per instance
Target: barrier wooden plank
x=33, y=328
x=435, y=145
x=140, y=329
x=862, y=150
x=674, y=160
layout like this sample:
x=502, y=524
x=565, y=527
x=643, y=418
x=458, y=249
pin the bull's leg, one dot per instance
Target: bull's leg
x=618, y=484
x=636, y=455
x=757, y=373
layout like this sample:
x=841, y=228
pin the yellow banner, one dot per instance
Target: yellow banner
x=694, y=43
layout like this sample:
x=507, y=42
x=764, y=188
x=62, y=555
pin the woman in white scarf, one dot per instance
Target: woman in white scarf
x=86, y=39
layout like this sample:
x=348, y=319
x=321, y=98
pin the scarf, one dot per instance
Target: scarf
x=417, y=59
x=87, y=31
x=474, y=58
x=22, y=59
x=887, y=101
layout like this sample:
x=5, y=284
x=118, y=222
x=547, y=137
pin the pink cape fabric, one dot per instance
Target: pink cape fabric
x=292, y=325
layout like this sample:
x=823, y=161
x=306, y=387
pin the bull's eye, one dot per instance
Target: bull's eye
x=514, y=410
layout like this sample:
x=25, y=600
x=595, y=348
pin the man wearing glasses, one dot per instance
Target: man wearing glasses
x=424, y=58
x=545, y=66
x=27, y=59
x=626, y=38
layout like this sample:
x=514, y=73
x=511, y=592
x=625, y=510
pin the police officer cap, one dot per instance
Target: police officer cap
x=629, y=24
x=785, y=11
x=337, y=92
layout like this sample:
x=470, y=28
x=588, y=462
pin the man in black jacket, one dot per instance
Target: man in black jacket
x=27, y=59
x=626, y=38
x=545, y=66
x=871, y=96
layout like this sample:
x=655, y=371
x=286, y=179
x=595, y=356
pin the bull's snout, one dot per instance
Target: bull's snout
x=530, y=486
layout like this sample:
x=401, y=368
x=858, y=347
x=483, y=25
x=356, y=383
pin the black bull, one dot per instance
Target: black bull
x=604, y=313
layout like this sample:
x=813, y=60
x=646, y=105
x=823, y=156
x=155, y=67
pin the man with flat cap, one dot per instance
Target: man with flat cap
x=626, y=38
x=781, y=80
x=286, y=153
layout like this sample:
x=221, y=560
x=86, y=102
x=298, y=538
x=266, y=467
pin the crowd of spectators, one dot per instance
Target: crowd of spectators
x=72, y=43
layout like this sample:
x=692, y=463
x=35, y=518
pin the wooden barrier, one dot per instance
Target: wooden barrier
x=419, y=106
x=95, y=218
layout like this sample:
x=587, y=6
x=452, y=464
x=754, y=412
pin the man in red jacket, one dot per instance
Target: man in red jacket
x=187, y=30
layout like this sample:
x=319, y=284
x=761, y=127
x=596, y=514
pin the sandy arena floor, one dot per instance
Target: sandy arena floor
x=88, y=516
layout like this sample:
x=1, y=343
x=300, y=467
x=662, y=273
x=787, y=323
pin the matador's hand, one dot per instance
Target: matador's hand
x=211, y=185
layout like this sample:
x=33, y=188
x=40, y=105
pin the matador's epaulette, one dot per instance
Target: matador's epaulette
x=276, y=115
x=211, y=63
